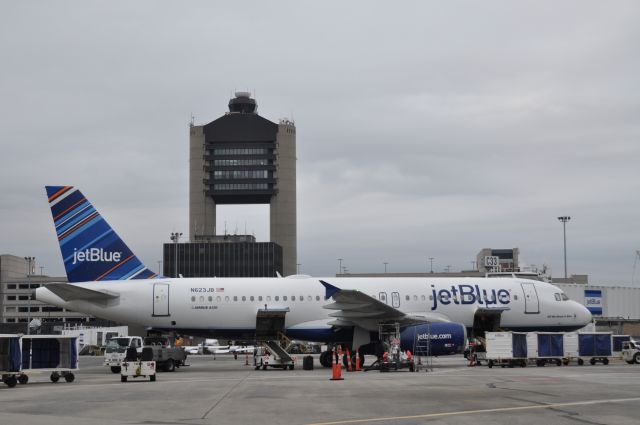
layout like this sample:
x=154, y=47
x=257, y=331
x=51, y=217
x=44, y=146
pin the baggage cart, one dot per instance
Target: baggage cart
x=54, y=354
x=132, y=367
x=507, y=349
x=10, y=355
x=596, y=347
x=549, y=347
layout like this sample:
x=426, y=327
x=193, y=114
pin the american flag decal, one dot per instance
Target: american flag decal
x=219, y=289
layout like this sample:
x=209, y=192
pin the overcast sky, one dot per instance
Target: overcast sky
x=424, y=129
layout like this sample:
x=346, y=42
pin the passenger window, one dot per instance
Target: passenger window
x=251, y=298
x=277, y=298
x=193, y=299
x=430, y=297
x=309, y=298
x=407, y=298
x=201, y=298
x=259, y=297
x=423, y=298
x=218, y=299
x=235, y=298
x=415, y=298
x=226, y=298
x=317, y=297
x=284, y=298
x=515, y=297
x=268, y=297
x=210, y=298
x=293, y=297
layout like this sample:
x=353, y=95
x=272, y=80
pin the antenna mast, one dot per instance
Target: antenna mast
x=635, y=263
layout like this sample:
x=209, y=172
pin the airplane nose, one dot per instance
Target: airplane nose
x=582, y=314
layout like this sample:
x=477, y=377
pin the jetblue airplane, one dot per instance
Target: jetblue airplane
x=107, y=280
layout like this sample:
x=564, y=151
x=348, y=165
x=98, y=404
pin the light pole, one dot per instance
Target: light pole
x=29, y=260
x=339, y=265
x=385, y=267
x=298, y=267
x=431, y=261
x=175, y=237
x=564, y=220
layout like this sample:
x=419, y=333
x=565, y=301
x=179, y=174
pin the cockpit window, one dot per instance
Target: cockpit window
x=558, y=298
x=564, y=297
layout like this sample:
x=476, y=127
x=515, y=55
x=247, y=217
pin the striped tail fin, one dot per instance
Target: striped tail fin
x=90, y=248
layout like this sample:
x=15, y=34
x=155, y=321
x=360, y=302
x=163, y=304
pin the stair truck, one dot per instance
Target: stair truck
x=55, y=354
x=270, y=354
x=505, y=349
x=549, y=347
x=134, y=366
x=10, y=359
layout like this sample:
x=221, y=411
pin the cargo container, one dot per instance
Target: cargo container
x=54, y=354
x=595, y=347
x=505, y=349
x=10, y=367
x=545, y=347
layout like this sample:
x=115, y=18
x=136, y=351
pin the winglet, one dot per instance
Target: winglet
x=330, y=289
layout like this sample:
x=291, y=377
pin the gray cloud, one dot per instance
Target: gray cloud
x=423, y=129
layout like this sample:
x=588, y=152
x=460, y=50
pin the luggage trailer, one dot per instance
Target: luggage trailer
x=594, y=347
x=506, y=349
x=10, y=359
x=54, y=354
x=546, y=348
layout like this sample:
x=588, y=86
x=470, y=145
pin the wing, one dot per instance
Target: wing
x=355, y=308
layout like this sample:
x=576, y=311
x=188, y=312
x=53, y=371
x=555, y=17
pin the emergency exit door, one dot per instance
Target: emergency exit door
x=160, y=299
x=531, y=303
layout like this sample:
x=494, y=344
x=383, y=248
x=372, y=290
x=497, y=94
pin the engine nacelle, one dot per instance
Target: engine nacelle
x=436, y=339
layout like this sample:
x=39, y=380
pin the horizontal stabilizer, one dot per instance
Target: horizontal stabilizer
x=70, y=292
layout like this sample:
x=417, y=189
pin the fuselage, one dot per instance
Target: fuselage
x=227, y=307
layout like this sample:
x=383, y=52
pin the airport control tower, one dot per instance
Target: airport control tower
x=243, y=158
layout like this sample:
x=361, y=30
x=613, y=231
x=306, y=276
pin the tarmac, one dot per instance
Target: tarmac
x=225, y=391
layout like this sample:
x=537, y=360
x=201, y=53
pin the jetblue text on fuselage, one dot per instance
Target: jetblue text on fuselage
x=95, y=255
x=469, y=294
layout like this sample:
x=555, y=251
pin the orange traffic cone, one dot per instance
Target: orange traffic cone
x=357, y=361
x=349, y=369
x=337, y=368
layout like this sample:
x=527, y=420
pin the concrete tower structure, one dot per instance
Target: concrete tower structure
x=243, y=158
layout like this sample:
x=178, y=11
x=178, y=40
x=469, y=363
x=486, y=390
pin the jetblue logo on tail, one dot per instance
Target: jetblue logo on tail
x=95, y=255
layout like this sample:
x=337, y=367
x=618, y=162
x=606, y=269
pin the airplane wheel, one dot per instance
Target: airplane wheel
x=69, y=377
x=115, y=369
x=55, y=377
x=23, y=379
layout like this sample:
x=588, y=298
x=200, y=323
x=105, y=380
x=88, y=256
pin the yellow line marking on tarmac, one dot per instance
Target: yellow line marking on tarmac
x=472, y=412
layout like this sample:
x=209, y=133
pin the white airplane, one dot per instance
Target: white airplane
x=107, y=280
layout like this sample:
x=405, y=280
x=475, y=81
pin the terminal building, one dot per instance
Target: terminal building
x=240, y=158
x=18, y=280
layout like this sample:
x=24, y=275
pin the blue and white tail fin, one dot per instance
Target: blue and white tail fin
x=90, y=248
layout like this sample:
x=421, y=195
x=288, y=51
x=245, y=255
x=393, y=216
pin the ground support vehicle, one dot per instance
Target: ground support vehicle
x=395, y=362
x=167, y=358
x=132, y=367
x=546, y=348
x=616, y=341
x=116, y=350
x=506, y=349
x=55, y=354
x=596, y=347
x=630, y=352
x=10, y=359
x=270, y=354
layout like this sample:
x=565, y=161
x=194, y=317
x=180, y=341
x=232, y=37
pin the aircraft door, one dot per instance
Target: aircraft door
x=395, y=300
x=531, y=303
x=160, y=299
x=383, y=297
